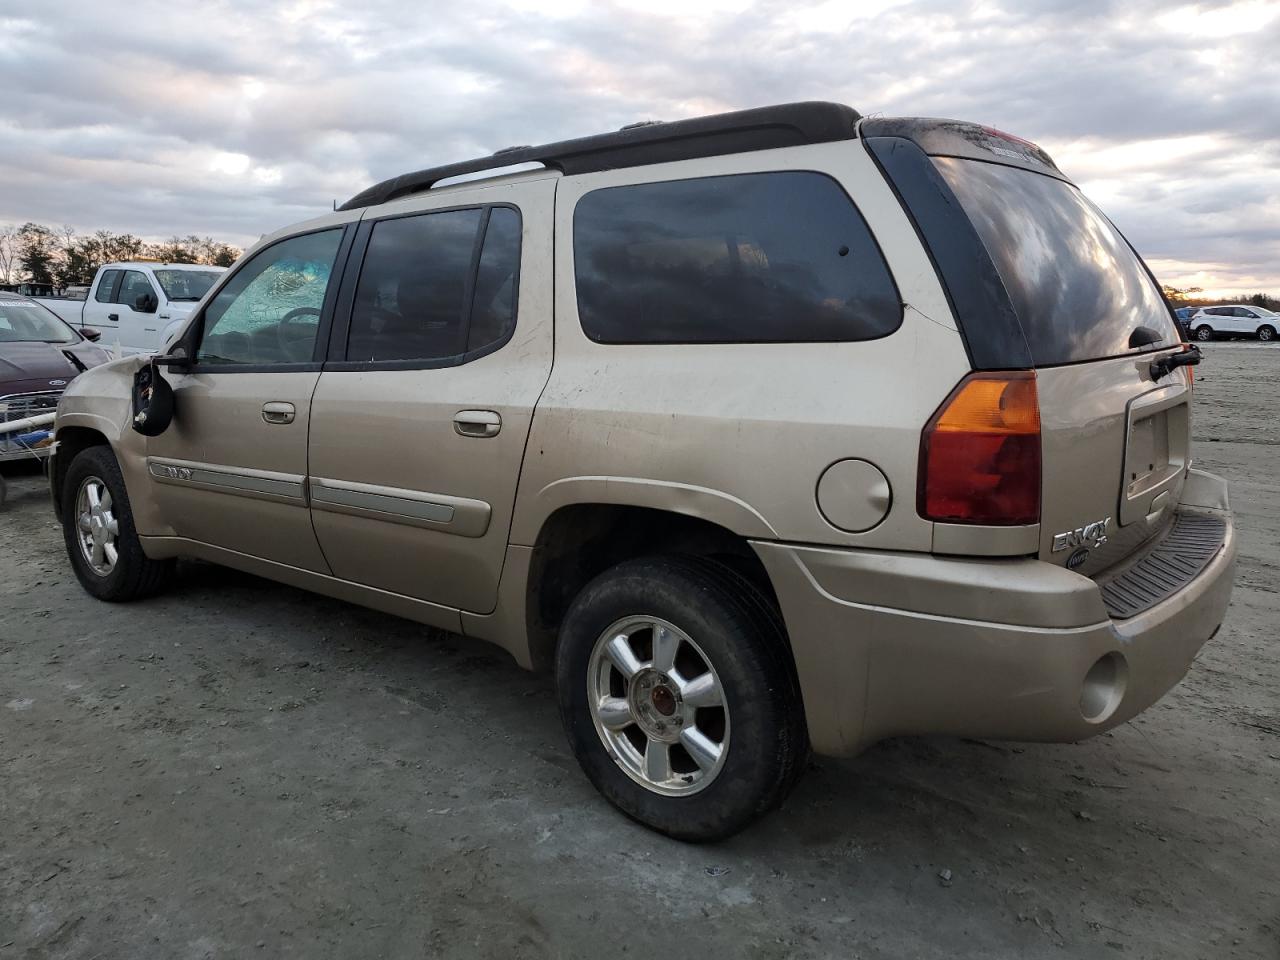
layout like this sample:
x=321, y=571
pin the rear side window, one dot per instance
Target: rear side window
x=436, y=286
x=749, y=258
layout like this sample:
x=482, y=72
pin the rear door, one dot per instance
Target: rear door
x=440, y=350
x=1067, y=296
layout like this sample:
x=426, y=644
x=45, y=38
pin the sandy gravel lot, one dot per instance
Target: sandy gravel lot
x=240, y=769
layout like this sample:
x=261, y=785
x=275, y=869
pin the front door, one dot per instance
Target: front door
x=440, y=351
x=231, y=469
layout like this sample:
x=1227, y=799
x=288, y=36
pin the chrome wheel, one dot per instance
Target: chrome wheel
x=1266, y=334
x=658, y=705
x=97, y=527
x=1204, y=333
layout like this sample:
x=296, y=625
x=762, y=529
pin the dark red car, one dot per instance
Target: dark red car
x=39, y=355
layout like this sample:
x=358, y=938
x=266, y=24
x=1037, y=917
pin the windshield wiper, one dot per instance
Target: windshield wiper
x=1189, y=357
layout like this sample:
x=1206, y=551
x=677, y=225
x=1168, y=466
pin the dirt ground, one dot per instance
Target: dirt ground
x=241, y=769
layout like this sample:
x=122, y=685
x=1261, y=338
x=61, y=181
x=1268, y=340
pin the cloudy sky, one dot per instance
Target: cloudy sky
x=233, y=119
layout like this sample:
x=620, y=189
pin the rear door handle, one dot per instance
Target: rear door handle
x=278, y=411
x=113, y=317
x=477, y=423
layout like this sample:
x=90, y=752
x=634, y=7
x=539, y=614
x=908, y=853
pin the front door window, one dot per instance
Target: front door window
x=269, y=312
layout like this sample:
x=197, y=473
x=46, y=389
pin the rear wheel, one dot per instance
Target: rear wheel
x=1266, y=334
x=97, y=525
x=1204, y=333
x=678, y=696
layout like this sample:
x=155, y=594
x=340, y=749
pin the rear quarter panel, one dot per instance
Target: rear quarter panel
x=740, y=433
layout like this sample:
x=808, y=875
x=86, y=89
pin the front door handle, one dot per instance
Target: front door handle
x=477, y=423
x=113, y=317
x=278, y=411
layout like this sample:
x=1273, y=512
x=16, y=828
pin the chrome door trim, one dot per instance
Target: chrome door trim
x=417, y=508
x=238, y=481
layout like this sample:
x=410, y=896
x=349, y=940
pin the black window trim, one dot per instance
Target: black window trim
x=195, y=333
x=897, y=292
x=340, y=330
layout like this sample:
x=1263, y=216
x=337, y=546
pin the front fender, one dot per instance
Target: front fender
x=100, y=400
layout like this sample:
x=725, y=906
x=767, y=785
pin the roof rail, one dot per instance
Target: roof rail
x=761, y=128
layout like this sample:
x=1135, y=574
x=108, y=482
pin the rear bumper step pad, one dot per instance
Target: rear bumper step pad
x=1192, y=541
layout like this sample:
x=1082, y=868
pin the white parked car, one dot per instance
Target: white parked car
x=1236, y=318
x=138, y=306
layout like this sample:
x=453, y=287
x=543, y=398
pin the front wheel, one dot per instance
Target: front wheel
x=1204, y=333
x=1266, y=334
x=97, y=525
x=678, y=696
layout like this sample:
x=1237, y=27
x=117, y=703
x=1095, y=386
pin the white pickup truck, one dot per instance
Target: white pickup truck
x=135, y=305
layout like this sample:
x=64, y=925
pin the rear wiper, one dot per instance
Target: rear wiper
x=1189, y=357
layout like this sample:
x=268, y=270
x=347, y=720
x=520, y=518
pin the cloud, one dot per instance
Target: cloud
x=241, y=117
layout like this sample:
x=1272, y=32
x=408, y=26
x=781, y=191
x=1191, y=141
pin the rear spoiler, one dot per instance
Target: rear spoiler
x=970, y=141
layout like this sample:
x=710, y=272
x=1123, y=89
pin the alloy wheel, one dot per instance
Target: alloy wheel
x=658, y=705
x=97, y=527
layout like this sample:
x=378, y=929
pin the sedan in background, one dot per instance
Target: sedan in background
x=39, y=355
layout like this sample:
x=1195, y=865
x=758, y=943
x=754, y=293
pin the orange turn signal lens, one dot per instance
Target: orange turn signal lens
x=980, y=453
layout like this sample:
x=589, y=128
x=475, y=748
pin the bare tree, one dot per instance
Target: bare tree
x=8, y=251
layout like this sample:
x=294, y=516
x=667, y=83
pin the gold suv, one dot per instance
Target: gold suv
x=769, y=430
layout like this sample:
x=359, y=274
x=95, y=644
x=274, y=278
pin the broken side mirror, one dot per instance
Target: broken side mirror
x=146, y=303
x=152, y=401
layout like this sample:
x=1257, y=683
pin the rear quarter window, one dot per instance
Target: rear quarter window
x=747, y=258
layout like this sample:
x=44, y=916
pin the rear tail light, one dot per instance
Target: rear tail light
x=980, y=453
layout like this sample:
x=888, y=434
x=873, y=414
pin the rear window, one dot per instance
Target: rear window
x=749, y=258
x=1077, y=287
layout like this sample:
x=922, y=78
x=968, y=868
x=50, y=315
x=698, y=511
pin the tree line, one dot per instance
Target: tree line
x=36, y=253
x=1190, y=297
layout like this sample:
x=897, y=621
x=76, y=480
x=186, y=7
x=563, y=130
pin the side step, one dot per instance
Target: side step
x=1192, y=541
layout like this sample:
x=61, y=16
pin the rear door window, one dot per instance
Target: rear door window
x=436, y=289
x=1077, y=287
x=749, y=258
x=411, y=299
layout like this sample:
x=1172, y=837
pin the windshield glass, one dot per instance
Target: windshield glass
x=27, y=322
x=1077, y=287
x=186, y=284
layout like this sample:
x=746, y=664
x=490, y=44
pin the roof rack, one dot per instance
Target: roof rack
x=761, y=128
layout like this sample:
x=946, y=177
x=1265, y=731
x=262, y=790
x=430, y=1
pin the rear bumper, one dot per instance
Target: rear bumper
x=894, y=644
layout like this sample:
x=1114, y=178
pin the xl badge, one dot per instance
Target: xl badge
x=1093, y=535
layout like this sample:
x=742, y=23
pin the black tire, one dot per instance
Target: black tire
x=742, y=636
x=1267, y=334
x=134, y=575
x=1204, y=333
